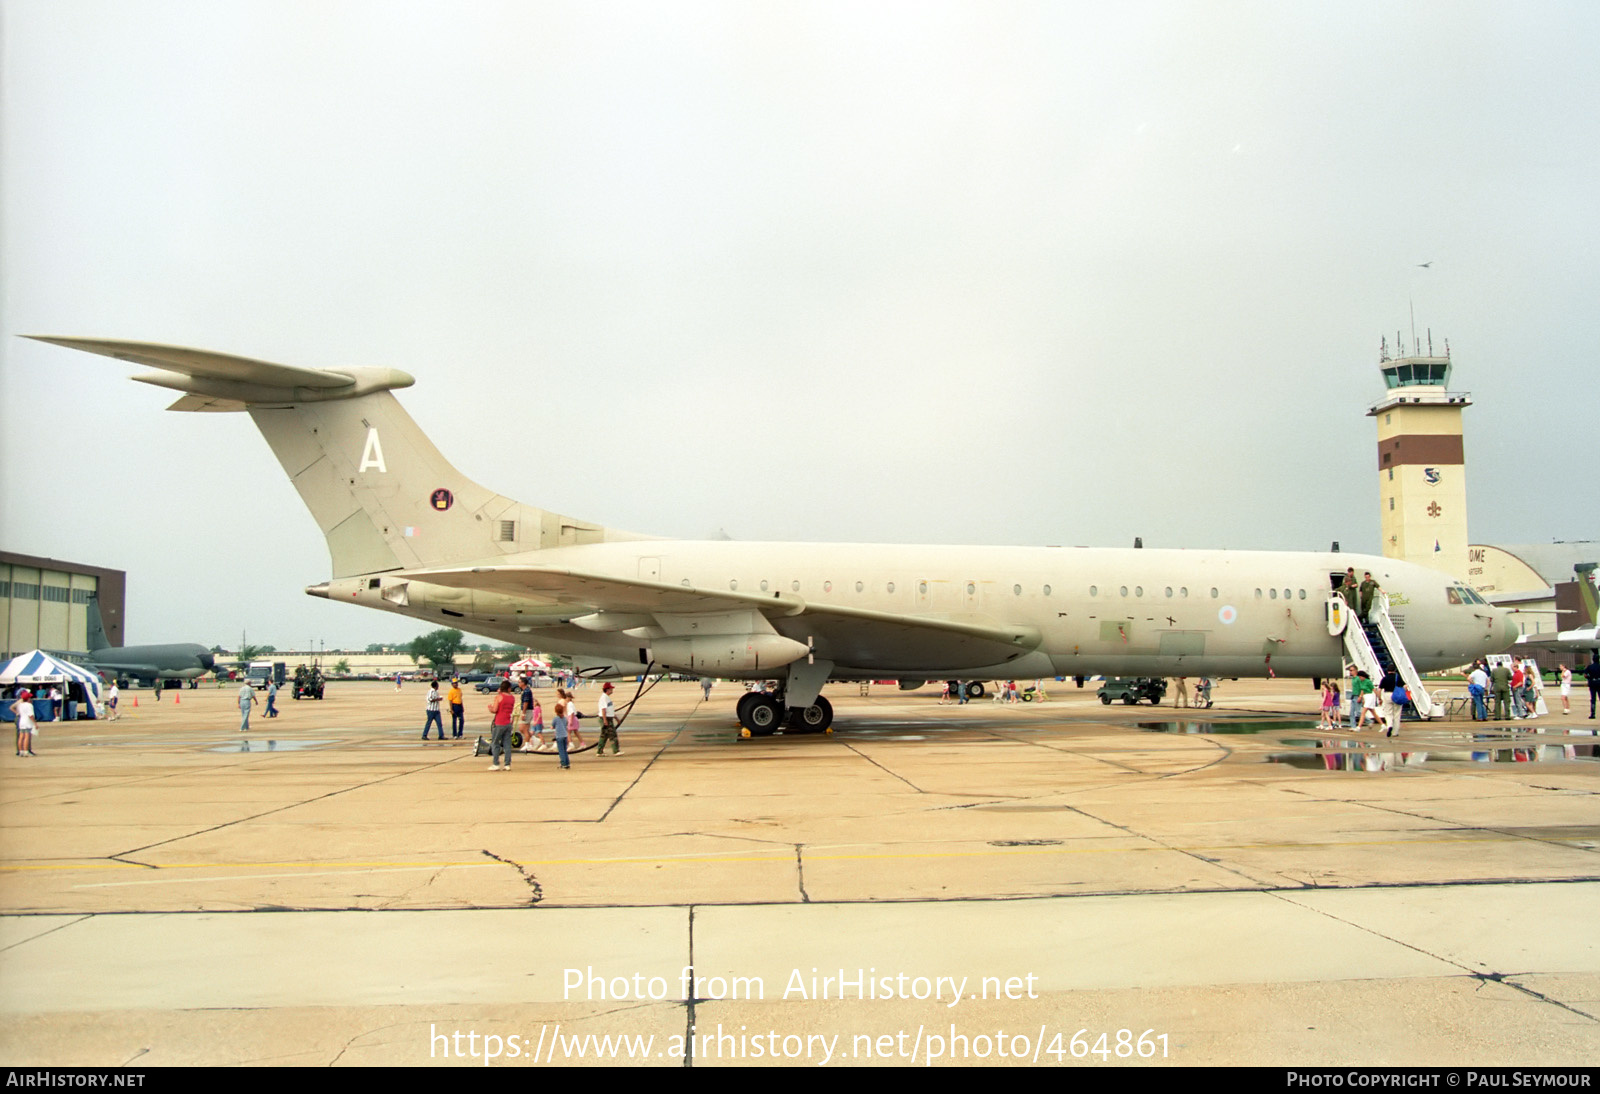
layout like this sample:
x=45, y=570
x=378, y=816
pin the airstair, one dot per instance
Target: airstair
x=1373, y=645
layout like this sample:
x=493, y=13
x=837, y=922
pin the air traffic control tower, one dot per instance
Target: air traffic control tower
x=1422, y=484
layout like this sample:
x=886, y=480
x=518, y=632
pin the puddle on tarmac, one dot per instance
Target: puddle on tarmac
x=1222, y=727
x=1359, y=758
x=268, y=746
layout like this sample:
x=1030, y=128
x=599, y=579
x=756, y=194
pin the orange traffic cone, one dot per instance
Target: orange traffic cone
x=135, y=700
x=177, y=697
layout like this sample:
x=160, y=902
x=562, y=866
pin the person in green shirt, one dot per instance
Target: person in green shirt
x=1360, y=687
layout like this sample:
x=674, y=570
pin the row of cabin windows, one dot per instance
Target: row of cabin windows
x=1181, y=592
x=1138, y=590
x=1456, y=596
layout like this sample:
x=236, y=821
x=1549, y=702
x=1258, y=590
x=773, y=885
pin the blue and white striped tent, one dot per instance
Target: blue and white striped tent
x=39, y=667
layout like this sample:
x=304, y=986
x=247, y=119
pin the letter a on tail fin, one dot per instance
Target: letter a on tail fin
x=383, y=495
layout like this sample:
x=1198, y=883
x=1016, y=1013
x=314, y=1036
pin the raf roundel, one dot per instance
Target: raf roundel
x=441, y=499
x=1228, y=613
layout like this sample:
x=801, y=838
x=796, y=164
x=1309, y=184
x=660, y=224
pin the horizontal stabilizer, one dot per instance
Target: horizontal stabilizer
x=220, y=381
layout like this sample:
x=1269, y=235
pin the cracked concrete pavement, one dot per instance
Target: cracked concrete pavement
x=332, y=890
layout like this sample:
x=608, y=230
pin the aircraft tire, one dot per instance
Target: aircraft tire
x=763, y=716
x=741, y=709
x=815, y=718
x=975, y=690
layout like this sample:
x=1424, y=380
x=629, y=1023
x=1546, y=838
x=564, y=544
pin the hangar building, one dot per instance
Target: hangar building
x=44, y=603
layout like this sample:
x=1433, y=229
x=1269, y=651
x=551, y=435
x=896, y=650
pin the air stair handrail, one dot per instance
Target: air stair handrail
x=1402, y=660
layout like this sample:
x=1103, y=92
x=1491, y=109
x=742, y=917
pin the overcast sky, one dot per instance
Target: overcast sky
x=991, y=273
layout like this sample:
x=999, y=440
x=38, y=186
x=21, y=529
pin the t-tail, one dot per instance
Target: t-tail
x=383, y=495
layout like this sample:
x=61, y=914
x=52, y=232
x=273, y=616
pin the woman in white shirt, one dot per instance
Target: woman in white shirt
x=23, y=710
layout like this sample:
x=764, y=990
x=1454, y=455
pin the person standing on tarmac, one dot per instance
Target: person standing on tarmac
x=434, y=718
x=608, y=723
x=559, y=727
x=572, y=720
x=525, y=711
x=1478, y=689
x=22, y=711
x=1592, y=674
x=458, y=711
x=500, y=710
x=247, y=699
x=1500, y=679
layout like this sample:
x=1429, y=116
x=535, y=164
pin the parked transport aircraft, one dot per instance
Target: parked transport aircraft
x=167, y=665
x=155, y=665
x=1585, y=636
x=409, y=533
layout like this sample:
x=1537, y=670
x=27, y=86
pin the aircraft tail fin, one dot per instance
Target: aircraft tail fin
x=383, y=495
x=1588, y=575
x=96, y=632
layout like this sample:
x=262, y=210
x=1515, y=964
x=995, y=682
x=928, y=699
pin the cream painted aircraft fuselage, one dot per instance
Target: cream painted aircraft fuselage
x=408, y=533
x=1029, y=611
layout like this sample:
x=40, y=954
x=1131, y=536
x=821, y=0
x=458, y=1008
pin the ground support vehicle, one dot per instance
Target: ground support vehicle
x=308, y=682
x=1131, y=689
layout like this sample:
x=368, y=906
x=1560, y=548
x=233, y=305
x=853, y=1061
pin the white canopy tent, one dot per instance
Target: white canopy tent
x=39, y=669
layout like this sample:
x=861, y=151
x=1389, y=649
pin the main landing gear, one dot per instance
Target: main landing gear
x=762, y=713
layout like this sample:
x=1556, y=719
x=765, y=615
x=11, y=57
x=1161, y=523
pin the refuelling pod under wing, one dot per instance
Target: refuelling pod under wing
x=725, y=653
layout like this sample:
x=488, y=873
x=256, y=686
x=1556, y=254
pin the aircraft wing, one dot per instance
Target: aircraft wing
x=130, y=669
x=1583, y=638
x=849, y=637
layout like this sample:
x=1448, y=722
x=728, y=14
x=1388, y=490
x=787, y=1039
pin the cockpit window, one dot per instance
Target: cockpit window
x=1455, y=596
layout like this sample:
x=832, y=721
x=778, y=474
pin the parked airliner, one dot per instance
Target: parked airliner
x=409, y=533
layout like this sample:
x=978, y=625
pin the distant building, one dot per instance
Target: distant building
x=44, y=603
x=1538, y=579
